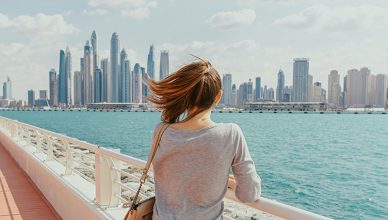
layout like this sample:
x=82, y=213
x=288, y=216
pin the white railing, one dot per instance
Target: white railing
x=115, y=175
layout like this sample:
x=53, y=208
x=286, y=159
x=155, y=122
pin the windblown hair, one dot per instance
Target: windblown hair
x=188, y=91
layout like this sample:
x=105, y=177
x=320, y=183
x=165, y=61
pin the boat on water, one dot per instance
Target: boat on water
x=98, y=182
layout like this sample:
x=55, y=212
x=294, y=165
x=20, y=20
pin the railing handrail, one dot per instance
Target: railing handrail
x=265, y=205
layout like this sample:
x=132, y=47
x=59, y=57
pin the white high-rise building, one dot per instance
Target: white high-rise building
x=381, y=91
x=227, y=89
x=7, y=89
x=357, y=88
x=105, y=74
x=151, y=62
x=77, y=88
x=113, y=79
x=300, y=80
x=123, y=57
x=164, y=64
x=88, y=74
x=53, y=87
x=233, y=97
x=334, y=88
x=137, y=84
x=280, y=87
x=125, y=78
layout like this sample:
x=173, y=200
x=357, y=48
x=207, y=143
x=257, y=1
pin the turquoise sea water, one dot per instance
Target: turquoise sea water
x=334, y=165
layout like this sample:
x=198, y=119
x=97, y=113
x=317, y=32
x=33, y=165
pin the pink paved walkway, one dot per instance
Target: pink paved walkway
x=19, y=198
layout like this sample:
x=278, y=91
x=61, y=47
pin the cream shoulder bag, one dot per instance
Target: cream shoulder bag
x=142, y=210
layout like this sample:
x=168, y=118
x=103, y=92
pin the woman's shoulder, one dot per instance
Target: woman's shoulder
x=229, y=127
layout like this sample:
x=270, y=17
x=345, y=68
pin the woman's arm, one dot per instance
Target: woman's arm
x=248, y=183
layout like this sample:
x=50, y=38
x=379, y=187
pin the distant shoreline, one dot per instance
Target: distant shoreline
x=214, y=111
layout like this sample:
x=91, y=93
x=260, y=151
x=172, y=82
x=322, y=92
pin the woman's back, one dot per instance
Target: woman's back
x=191, y=171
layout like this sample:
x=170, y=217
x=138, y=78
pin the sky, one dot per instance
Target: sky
x=247, y=38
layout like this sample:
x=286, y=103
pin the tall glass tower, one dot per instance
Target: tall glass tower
x=300, y=80
x=164, y=65
x=151, y=63
x=114, y=69
x=280, y=87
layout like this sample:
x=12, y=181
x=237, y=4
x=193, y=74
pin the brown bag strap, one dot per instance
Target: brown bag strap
x=154, y=147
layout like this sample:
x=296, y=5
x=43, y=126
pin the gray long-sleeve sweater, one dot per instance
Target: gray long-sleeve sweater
x=191, y=170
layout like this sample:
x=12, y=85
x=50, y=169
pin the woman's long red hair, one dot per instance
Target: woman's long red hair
x=190, y=90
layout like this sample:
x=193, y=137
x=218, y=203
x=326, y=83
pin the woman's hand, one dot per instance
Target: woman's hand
x=231, y=183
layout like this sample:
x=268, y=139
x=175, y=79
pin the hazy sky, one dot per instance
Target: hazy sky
x=247, y=38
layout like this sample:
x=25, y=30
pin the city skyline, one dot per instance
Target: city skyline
x=243, y=37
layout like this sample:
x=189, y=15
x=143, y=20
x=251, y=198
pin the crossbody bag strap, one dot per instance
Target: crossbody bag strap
x=154, y=147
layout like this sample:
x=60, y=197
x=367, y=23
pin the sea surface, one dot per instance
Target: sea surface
x=334, y=165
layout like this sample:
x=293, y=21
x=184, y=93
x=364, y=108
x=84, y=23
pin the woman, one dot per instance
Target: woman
x=193, y=161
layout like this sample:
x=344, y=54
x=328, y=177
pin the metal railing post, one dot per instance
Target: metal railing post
x=50, y=150
x=69, y=158
x=106, y=176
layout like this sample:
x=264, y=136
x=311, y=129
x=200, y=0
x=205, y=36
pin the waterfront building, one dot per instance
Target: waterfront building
x=53, y=87
x=233, y=96
x=144, y=89
x=280, y=87
x=137, y=83
x=127, y=81
x=372, y=91
x=123, y=57
x=7, y=89
x=265, y=92
x=357, y=86
x=271, y=94
x=310, y=88
x=334, y=88
x=88, y=74
x=77, y=88
x=93, y=41
x=317, y=93
x=300, y=80
x=98, y=87
x=258, y=93
x=105, y=72
x=82, y=79
x=31, y=97
x=151, y=62
x=43, y=94
x=250, y=91
x=113, y=79
x=64, y=82
x=226, y=89
x=287, y=93
x=381, y=91
x=164, y=65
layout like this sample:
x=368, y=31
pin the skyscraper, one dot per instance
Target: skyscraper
x=300, y=80
x=77, y=88
x=137, y=84
x=334, y=88
x=258, y=89
x=122, y=82
x=43, y=94
x=128, y=81
x=98, y=87
x=88, y=74
x=310, y=88
x=7, y=89
x=250, y=91
x=144, y=89
x=233, y=97
x=381, y=88
x=151, y=62
x=93, y=41
x=164, y=64
x=227, y=89
x=113, y=79
x=82, y=80
x=64, y=78
x=357, y=86
x=31, y=97
x=280, y=87
x=105, y=74
x=53, y=87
